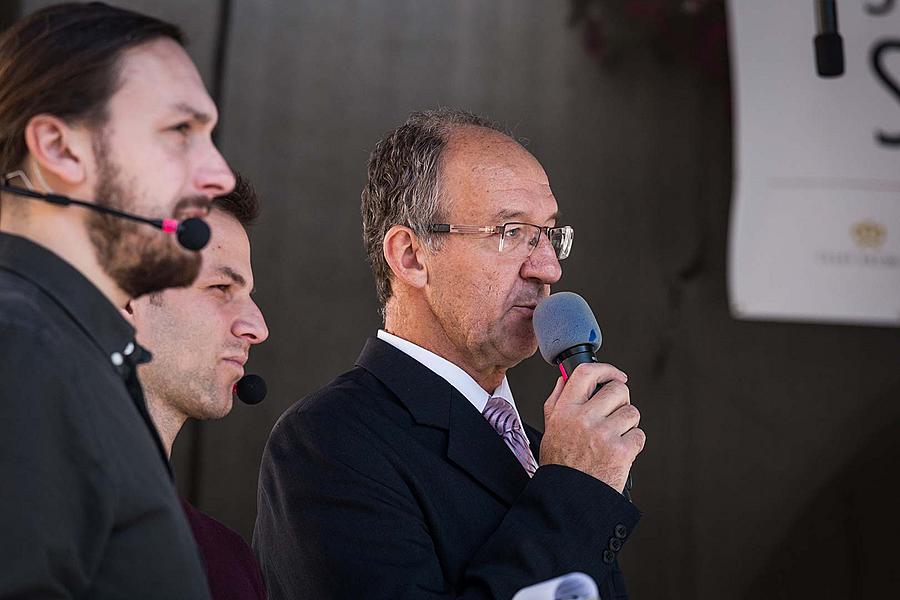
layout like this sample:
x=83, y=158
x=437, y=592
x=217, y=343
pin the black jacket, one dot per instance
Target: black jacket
x=389, y=484
x=87, y=502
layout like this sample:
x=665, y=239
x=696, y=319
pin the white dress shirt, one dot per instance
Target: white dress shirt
x=455, y=376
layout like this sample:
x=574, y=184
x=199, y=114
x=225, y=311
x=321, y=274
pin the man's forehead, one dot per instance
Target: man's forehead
x=479, y=156
x=162, y=75
x=502, y=189
x=510, y=178
x=507, y=214
x=228, y=252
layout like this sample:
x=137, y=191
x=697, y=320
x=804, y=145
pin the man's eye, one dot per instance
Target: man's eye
x=224, y=287
x=182, y=128
x=512, y=232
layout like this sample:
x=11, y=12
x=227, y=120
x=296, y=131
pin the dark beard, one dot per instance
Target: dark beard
x=138, y=258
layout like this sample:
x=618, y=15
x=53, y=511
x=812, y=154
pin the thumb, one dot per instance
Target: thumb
x=550, y=403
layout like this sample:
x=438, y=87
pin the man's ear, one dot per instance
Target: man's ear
x=60, y=153
x=404, y=254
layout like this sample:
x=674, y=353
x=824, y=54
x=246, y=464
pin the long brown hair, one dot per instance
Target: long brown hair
x=63, y=60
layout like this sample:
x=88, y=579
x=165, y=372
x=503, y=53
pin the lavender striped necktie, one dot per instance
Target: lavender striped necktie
x=502, y=417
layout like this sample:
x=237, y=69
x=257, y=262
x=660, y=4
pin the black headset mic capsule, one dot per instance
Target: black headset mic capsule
x=251, y=389
x=193, y=233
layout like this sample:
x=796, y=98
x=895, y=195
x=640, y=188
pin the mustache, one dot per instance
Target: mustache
x=195, y=206
x=530, y=299
x=239, y=349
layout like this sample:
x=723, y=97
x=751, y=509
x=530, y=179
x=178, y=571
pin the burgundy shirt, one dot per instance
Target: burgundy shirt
x=231, y=569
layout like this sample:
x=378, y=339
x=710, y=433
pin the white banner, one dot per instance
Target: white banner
x=815, y=224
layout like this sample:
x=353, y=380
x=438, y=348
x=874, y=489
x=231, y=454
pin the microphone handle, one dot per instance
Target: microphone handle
x=826, y=16
x=567, y=361
x=828, y=44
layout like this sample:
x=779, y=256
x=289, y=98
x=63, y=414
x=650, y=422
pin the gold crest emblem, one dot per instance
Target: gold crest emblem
x=869, y=234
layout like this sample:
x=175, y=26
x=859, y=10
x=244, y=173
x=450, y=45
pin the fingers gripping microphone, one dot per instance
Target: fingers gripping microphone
x=251, y=389
x=568, y=335
x=192, y=234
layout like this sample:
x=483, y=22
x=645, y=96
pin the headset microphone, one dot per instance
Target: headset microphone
x=192, y=234
x=251, y=389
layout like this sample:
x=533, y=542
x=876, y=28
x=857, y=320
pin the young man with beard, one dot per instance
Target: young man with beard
x=99, y=104
x=412, y=476
x=200, y=337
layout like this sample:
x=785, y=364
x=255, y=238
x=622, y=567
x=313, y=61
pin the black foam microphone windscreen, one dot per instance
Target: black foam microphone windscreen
x=251, y=389
x=193, y=233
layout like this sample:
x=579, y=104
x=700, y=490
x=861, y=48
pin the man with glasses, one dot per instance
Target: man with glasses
x=412, y=475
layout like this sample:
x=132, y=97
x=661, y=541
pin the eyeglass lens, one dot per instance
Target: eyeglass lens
x=522, y=238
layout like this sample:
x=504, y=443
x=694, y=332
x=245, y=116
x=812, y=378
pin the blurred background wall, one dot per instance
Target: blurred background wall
x=769, y=454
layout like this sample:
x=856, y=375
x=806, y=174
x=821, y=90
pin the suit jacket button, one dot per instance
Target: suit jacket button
x=615, y=544
x=608, y=556
x=621, y=531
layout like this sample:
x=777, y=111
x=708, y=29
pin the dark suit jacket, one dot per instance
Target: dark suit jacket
x=388, y=483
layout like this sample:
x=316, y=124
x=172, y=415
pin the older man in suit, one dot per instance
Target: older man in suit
x=412, y=476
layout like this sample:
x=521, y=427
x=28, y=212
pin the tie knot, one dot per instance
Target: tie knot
x=501, y=415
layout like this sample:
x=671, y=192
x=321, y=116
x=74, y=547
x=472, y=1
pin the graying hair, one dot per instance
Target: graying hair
x=403, y=184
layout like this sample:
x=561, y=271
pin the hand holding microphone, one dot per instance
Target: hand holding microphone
x=590, y=423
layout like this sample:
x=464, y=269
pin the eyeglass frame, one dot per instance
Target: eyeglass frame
x=567, y=230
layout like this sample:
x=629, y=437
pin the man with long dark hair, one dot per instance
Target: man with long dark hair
x=100, y=104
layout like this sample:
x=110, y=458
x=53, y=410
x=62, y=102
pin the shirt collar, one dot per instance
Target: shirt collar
x=454, y=375
x=75, y=295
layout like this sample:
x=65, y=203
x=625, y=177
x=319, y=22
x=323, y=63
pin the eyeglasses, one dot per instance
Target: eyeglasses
x=517, y=239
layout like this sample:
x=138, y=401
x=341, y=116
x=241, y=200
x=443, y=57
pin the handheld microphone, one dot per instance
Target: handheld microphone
x=192, y=234
x=251, y=389
x=567, y=331
x=828, y=42
x=568, y=335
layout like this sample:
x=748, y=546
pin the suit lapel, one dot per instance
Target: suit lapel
x=480, y=451
x=472, y=444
